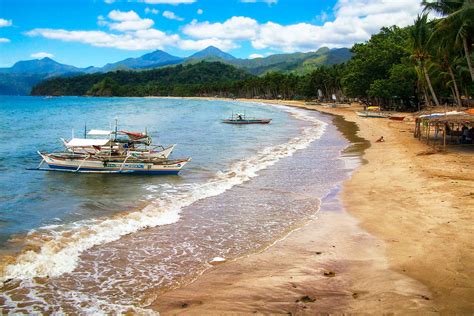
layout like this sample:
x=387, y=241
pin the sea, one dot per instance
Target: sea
x=112, y=243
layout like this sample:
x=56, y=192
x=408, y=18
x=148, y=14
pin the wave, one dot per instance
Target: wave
x=60, y=252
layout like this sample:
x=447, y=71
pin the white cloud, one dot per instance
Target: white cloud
x=4, y=23
x=141, y=24
x=137, y=40
x=199, y=11
x=170, y=15
x=41, y=55
x=152, y=11
x=235, y=28
x=121, y=16
x=4, y=40
x=252, y=56
x=355, y=21
x=175, y=2
x=101, y=21
x=125, y=21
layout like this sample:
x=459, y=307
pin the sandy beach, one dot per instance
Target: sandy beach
x=397, y=237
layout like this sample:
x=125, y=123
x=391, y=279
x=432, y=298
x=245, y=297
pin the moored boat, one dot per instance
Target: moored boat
x=131, y=154
x=372, y=114
x=86, y=163
x=241, y=119
x=396, y=118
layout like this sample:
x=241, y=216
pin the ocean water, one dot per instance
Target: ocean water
x=112, y=243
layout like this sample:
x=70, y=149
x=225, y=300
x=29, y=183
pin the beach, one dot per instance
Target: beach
x=400, y=240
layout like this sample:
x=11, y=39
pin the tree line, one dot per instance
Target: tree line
x=427, y=63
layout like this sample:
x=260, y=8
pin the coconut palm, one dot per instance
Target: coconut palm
x=447, y=56
x=458, y=19
x=420, y=34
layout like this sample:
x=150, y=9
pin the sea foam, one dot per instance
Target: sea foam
x=60, y=253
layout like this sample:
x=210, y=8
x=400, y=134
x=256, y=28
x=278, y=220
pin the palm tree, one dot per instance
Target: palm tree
x=420, y=34
x=447, y=57
x=459, y=20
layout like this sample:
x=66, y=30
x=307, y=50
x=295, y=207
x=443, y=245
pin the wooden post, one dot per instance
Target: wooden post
x=444, y=137
x=428, y=134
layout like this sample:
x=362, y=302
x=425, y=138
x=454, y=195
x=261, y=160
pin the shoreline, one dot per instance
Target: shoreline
x=393, y=268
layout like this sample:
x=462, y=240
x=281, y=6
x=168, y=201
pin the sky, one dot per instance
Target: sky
x=95, y=32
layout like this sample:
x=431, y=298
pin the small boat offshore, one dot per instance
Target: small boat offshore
x=241, y=119
x=119, y=152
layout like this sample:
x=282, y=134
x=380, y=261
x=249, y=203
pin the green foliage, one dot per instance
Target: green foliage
x=107, y=87
x=373, y=60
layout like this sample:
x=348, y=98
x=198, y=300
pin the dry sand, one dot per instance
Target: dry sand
x=406, y=246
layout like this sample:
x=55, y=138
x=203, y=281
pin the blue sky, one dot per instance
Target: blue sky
x=95, y=32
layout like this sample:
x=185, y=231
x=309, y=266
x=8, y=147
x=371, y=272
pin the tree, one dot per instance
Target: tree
x=458, y=20
x=420, y=34
x=373, y=60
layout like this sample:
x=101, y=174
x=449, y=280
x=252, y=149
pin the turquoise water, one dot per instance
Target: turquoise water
x=30, y=199
x=85, y=243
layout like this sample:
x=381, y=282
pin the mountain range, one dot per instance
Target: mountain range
x=23, y=75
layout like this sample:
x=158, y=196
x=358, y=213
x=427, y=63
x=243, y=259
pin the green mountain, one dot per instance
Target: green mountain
x=211, y=53
x=155, y=59
x=23, y=75
x=177, y=80
x=299, y=63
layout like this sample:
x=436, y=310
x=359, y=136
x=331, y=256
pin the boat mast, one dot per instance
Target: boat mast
x=115, y=134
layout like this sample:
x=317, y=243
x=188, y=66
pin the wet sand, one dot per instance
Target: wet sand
x=405, y=245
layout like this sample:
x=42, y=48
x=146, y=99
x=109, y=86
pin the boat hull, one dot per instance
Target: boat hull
x=165, y=167
x=396, y=118
x=246, y=122
x=371, y=115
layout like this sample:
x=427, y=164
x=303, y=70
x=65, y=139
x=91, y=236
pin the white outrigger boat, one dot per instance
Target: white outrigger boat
x=133, y=154
x=87, y=163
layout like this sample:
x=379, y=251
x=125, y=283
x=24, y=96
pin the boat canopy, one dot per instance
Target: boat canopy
x=98, y=132
x=86, y=142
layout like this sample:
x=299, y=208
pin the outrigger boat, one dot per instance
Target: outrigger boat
x=372, y=114
x=87, y=163
x=133, y=154
x=242, y=119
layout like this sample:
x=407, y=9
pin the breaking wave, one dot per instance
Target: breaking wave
x=59, y=253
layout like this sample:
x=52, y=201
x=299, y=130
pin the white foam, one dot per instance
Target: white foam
x=61, y=253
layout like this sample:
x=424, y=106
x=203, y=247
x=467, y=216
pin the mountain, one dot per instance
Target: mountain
x=211, y=53
x=40, y=66
x=155, y=59
x=23, y=75
x=178, y=80
x=300, y=63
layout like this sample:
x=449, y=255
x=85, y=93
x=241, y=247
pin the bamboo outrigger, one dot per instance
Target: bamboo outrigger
x=132, y=154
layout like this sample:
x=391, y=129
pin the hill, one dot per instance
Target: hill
x=177, y=80
x=155, y=59
x=299, y=63
x=211, y=53
x=21, y=77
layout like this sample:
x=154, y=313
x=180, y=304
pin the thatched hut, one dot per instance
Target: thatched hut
x=452, y=128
